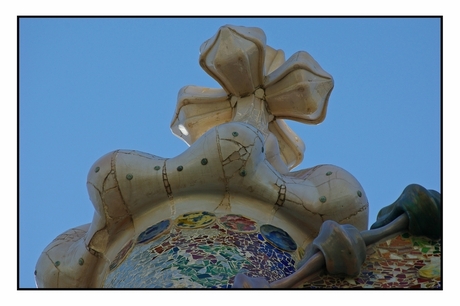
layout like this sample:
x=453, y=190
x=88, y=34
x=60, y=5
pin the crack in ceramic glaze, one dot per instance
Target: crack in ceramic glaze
x=361, y=209
x=236, y=155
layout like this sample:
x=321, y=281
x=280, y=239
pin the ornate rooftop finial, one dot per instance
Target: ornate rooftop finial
x=228, y=212
x=258, y=87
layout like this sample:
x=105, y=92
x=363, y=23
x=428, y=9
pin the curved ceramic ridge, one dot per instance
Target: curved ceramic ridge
x=65, y=262
x=299, y=60
x=235, y=155
x=273, y=59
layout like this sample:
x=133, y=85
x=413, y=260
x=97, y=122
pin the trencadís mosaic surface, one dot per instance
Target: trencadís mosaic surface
x=404, y=261
x=200, y=249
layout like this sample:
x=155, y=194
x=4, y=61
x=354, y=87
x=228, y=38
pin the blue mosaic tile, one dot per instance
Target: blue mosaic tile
x=153, y=231
x=278, y=237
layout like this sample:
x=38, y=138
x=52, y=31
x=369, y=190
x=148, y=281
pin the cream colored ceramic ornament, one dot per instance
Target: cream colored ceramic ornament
x=230, y=203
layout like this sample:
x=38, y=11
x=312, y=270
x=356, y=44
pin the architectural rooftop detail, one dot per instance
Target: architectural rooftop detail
x=230, y=212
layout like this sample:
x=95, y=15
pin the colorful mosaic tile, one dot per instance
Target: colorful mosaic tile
x=404, y=261
x=196, y=219
x=238, y=223
x=153, y=231
x=202, y=257
x=121, y=255
x=278, y=237
x=200, y=253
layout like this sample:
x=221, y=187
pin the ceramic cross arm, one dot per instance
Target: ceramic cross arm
x=258, y=87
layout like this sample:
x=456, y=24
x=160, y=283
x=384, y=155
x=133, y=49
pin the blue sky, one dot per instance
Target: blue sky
x=90, y=86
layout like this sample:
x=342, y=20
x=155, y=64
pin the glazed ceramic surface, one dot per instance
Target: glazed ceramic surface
x=402, y=261
x=230, y=203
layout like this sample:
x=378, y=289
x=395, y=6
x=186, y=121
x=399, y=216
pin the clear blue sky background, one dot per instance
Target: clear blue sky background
x=90, y=86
